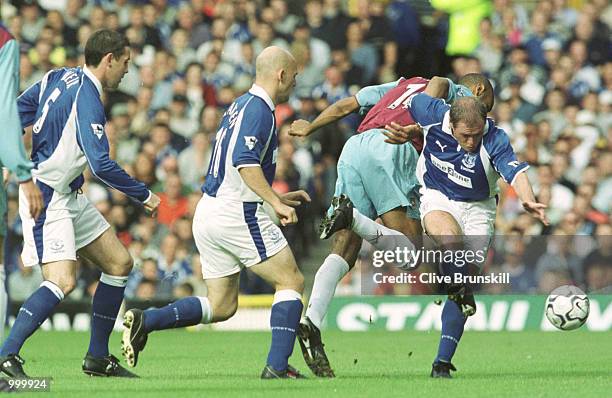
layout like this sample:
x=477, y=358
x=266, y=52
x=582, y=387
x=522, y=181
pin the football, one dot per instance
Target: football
x=567, y=307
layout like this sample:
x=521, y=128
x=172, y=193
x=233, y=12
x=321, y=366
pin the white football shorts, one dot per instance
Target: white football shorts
x=476, y=219
x=68, y=223
x=231, y=235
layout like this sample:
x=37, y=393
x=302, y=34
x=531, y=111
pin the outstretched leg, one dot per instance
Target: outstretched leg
x=220, y=304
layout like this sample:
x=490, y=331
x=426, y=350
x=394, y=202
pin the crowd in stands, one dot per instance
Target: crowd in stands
x=550, y=62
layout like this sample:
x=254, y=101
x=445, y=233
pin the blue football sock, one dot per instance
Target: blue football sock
x=34, y=311
x=453, y=322
x=106, y=303
x=184, y=312
x=284, y=320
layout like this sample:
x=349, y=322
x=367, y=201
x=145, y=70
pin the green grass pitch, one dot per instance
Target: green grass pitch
x=370, y=364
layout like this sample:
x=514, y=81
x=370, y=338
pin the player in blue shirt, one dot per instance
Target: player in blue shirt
x=464, y=155
x=67, y=118
x=233, y=231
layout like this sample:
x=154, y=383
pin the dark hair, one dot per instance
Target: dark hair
x=473, y=79
x=468, y=110
x=102, y=42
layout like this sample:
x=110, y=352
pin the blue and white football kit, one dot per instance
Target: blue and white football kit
x=453, y=180
x=68, y=120
x=230, y=227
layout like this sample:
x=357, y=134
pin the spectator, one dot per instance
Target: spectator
x=333, y=88
x=264, y=37
x=180, y=120
x=23, y=282
x=172, y=269
x=362, y=54
x=319, y=50
x=174, y=204
x=285, y=22
x=464, y=18
x=193, y=161
x=195, y=279
x=147, y=290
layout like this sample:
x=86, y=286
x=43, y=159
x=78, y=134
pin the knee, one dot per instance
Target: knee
x=293, y=280
x=299, y=282
x=66, y=283
x=122, y=266
x=450, y=240
x=223, y=310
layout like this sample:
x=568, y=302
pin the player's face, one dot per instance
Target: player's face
x=118, y=68
x=468, y=137
x=286, y=84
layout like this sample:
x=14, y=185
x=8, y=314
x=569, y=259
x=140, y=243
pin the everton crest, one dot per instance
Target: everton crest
x=469, y=160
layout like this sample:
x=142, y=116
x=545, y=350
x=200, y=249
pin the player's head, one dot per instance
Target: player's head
x=108, y=53
x=481, y=87
x=467, y=122
x=275, y=70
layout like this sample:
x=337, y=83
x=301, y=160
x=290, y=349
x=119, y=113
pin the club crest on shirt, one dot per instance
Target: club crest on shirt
x=250, y=142
x=469, y=160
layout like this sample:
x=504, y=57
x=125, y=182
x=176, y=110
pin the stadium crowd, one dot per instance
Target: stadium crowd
x=551, y=65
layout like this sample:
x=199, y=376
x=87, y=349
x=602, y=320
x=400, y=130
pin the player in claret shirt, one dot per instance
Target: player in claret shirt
x=380, y=179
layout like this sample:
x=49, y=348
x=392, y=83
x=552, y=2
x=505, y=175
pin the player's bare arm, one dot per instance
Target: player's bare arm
x=523, y=189
x=437, y=87
x=333, y=113
x=254, y=178
x=295, y=198
x=398, y=134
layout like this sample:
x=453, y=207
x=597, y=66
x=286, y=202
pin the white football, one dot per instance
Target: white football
x=567, y=307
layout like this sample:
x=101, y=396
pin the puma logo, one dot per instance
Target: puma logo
x=441, y=146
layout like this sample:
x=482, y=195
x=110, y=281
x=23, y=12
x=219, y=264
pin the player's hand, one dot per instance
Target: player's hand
x=34, y=197
x=300, y=128
x=537, y=210
x=151, y=205
x=286, y=214
x=295, y=198
x=398, y=134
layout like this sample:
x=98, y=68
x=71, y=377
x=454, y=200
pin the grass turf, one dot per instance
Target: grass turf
x=183, y=364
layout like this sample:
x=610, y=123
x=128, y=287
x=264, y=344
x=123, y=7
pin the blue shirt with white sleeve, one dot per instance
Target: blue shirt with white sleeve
x=448, y=168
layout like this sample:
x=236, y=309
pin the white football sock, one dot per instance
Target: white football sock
x=206, y=310
x=3, y=301
x=329, y=274
x=381, y=237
